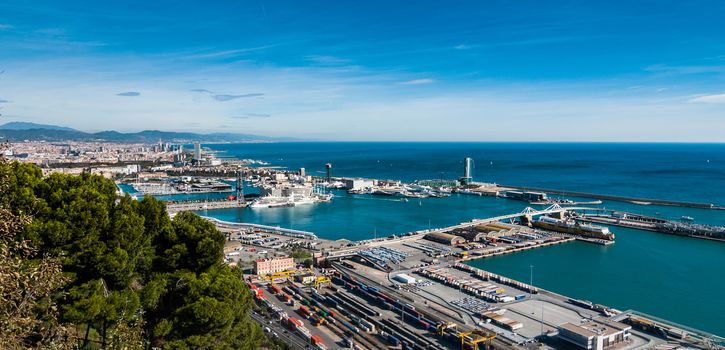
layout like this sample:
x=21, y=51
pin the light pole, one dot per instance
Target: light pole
x=531, y=283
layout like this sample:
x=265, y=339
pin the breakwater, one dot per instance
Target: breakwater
x=635, y=200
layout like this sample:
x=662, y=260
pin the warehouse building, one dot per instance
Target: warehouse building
x=403, y=278
x=445, y=238
x=596, y=334
x=471, y=234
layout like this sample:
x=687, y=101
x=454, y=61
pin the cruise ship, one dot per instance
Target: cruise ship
x=573, y=227
x=280, y=202
x=289, y=195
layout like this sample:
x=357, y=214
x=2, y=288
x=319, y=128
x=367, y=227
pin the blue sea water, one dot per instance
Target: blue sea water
x=678, y=278
x=684, y=172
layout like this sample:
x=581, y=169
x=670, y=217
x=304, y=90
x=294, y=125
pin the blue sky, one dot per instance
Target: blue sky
x=404, y=70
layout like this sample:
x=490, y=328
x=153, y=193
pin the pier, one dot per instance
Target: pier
x=271, y=229
x=175, y=207
x=634, y=200
x=642, y=222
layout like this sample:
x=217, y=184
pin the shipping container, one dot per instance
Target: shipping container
x=294, y=322
x=274, y=289
x=393, y=340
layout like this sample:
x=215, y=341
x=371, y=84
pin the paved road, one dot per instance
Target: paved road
x=292, y=339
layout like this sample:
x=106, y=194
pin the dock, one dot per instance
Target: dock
x=635, y=200
x=649, y=223
x=175, y=207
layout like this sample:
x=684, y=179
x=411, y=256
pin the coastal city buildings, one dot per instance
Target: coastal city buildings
x=269, y=266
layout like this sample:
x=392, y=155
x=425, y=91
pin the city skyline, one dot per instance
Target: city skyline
x=470, y=71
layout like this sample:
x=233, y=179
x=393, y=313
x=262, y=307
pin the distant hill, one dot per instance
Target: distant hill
x=20, y=131
x=31, y=126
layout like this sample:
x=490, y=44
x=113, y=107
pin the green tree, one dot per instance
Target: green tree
x=193, y=244
x=28, y=280
x=131, y=277
x=205, y=311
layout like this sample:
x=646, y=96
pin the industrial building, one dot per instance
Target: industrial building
x=358, y=183
x=269, y=266
x=306, y=278
x=403, y=278
x=472, y=234
x=596, y=334
x=445, y=238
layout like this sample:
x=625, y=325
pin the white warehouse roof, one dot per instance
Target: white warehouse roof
x=404, y=278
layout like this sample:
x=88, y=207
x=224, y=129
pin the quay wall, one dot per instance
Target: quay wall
x=620, y=198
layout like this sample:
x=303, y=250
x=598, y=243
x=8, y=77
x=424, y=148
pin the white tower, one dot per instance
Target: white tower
x=197, y=152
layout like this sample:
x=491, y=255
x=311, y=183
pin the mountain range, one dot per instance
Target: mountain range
x=20, y=131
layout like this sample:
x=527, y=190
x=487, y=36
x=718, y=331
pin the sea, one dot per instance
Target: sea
x=676, y=278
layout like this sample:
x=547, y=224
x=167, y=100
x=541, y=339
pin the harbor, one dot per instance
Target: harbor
x=357, y=211
x=419, y=292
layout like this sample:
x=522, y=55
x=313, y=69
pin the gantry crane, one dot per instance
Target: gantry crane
x=287, y=275
x=470, y=340
x=321, y=280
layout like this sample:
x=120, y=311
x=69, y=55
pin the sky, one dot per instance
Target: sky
x=371, y=70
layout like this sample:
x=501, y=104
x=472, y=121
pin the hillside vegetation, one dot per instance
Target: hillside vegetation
x=82, y=268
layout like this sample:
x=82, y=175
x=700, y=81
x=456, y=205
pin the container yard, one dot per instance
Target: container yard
x=413, y=292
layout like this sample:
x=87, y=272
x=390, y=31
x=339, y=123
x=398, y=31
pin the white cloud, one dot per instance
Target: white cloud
x=327, y=103
x=462, y=47
x=226, y=53
x=716, y=98
x=5, y=26
x=418, y=82
x=327, y=60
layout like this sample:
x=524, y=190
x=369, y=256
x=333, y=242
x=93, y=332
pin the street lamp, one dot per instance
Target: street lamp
x=531, y=283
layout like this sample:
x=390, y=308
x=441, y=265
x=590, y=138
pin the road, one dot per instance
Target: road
x=292, y=339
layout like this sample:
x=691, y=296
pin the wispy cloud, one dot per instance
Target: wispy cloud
x=685, y=70
x=716, y=98
x=227, y=97
x=252, y=115
x=327, y=60
x=4, y=101
x=462, y=47
x=5, y=26
x=418, y=82
x=227, y=53
x=129, y=94
x=224, y=98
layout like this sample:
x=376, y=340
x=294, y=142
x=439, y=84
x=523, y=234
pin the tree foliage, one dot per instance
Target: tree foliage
x=131, y=276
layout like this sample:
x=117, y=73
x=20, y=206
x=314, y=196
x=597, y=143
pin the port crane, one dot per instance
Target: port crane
x=321, y=280
x=286, y=275
x=471, y=340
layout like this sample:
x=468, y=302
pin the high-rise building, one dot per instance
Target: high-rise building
x=467, y=171
x=197, y=152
